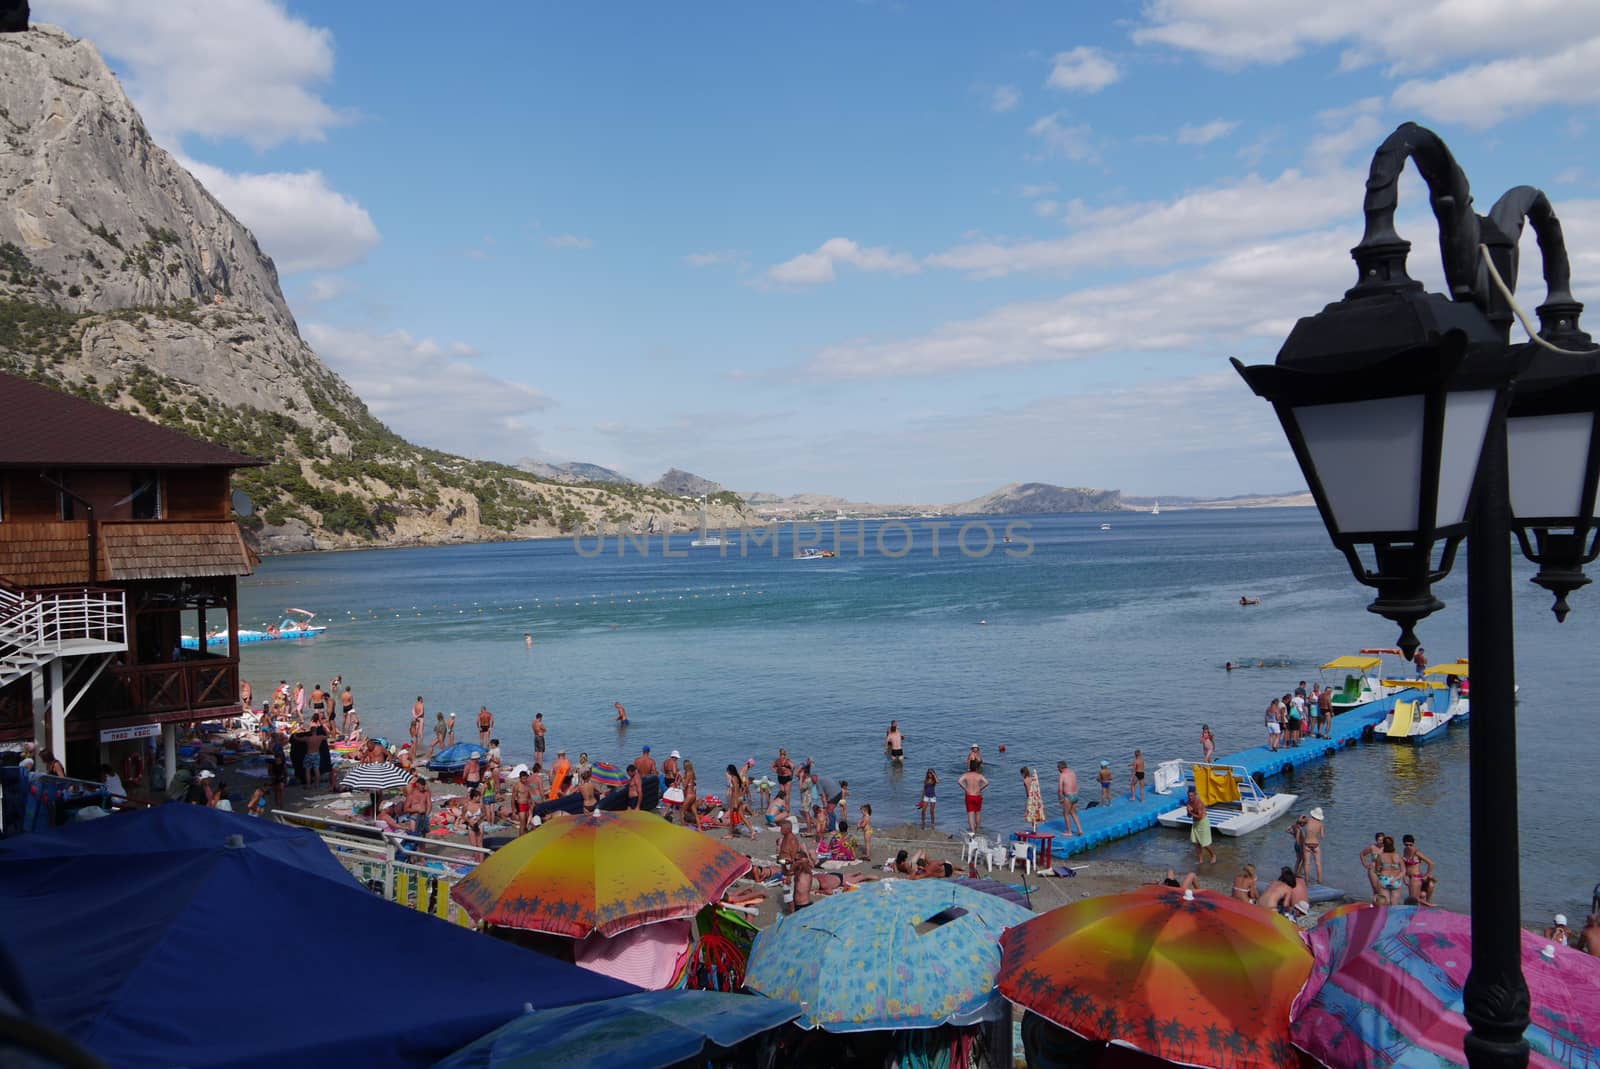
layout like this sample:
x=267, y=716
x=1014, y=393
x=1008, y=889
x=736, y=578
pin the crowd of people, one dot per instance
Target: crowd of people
x=1292, y=716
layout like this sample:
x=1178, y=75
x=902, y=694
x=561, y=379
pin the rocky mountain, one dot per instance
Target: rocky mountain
x=124, y=281
x=1018, y=499
x=574, y=471
x=686, y=484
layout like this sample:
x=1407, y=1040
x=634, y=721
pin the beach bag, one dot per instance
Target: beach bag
x=673, y=795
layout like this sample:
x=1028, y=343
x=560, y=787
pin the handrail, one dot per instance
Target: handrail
x=34, y=621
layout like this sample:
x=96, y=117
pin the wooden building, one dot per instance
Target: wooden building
x=116, y=537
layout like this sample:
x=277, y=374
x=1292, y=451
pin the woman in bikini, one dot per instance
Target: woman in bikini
x=1244, y=884
x=1208, y=742
x=796, y=861
x=691, y=801
x=1413, y=860
x=930, y=786
x=473, y=817
x=1391, y=872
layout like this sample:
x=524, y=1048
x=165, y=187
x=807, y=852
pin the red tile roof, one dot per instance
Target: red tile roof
x=41, y=427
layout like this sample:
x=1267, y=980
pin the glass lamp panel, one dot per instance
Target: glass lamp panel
x=1466, y=421
x=1368, y=457
x=1549, y=456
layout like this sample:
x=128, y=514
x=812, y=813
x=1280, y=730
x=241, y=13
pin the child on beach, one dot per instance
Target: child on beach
x=1208, y=742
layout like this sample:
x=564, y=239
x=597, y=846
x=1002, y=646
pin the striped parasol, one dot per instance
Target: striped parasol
x=376, y=778
x=607, y=774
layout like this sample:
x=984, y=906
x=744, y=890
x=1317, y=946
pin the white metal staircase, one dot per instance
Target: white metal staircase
x=39, y=626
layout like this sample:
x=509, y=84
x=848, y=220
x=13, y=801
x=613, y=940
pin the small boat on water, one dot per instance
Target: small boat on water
x=1458, y=683
x=1105, y=527
x=814, y=553
x=1363, y=679
x=1235, y=803
x=1415, y=721
x=706, y=538
x=290, y=627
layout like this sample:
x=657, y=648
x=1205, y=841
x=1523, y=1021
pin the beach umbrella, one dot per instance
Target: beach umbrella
x=644, y=1031
x=889, y=954
x=454, y=758
x=607, y=774
x=599, y=872
x=1386, y=991
x=1188, y=976
x=375, y=778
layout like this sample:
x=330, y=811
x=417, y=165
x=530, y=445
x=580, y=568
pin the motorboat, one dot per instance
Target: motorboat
x=1235, y=803
x=814, y=553
x=1105, y=527
x=1415, y=720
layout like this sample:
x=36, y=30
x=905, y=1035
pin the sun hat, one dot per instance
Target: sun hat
x=1561, y=919
x=208, y=774
x=1105, y=764
x=676, y=754
x=1302, y=907
x=1316, y=814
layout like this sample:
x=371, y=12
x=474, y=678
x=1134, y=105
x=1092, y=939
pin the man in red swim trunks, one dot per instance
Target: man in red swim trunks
x=974, y=783
x=522, y=799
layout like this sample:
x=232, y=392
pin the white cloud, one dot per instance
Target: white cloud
x=1205, y=133
x=1082, y=70
x=1196, y=224
x=1249, y=292
x=569, y=241
x=1415, y=36
x=1569, y=176
x=1046, y=208
x=429, y=393
x=817, y=268
x=1487, y=93
x=302, y=223
x=324, y=288
x=242, y=69
x=715, y=257
x=1039, y=190
x=1074, y=142
x=1355, y=128
x=1004, y=98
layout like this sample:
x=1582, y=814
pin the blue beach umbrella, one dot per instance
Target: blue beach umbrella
x=644, y=1031
x=890, y=954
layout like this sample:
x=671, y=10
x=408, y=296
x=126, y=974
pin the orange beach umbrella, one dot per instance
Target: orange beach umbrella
x=599, y=872
x=1196, y=978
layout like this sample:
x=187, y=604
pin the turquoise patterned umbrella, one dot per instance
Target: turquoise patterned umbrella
x=889, y=954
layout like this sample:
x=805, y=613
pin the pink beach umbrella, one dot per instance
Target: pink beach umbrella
x=1385, y=993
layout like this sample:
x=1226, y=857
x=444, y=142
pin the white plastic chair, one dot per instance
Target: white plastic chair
x=1022, y=851
x=993, y=853
x=974, y=845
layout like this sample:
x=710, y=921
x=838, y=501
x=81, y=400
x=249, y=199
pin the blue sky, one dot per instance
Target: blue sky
x=901, y=252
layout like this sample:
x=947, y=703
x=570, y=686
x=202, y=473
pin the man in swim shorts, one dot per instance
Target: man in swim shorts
x=894, y=742
x=1067, y=792
x=1136, y=788
x=522, y=800
x=974, y=783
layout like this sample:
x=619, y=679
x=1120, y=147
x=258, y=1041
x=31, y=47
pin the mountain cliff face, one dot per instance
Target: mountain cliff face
x=1019, y=499
x=124, y=281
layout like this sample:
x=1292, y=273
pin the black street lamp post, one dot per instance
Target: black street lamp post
x=1410, y=413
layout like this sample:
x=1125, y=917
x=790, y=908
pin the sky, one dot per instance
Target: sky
x=894, y=251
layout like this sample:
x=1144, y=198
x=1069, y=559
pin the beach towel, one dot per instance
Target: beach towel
x=650, y=956
x=1214, y=784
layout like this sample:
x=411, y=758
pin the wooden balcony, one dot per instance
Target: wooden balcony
x=179, y=687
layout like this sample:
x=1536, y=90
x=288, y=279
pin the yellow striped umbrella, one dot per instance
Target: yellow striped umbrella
x=599, y=872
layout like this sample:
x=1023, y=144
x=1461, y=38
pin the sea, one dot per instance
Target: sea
x=1070, y=641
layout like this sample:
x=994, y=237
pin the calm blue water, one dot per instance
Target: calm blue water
x=1096, y=642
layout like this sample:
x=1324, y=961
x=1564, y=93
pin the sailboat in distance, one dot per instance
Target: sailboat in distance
x=1155, y=509
x=705, y=539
